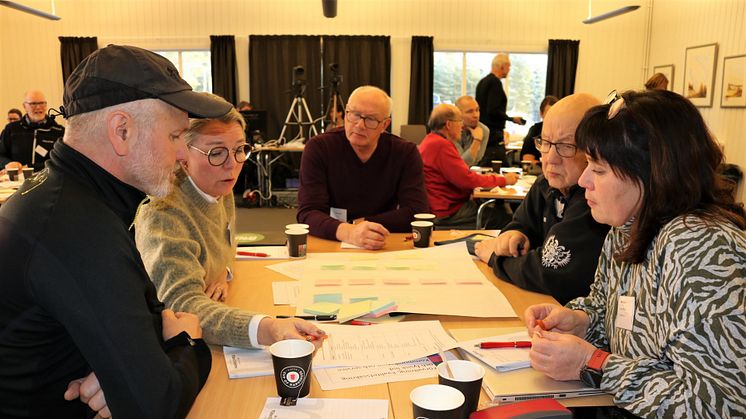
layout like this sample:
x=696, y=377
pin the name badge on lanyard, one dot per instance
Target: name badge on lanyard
x=625, y=312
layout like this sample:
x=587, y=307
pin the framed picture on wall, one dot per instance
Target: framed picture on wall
x=666, y=70
x=734, y=75
x=699, y=74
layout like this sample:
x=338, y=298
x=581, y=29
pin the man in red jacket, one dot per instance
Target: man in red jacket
x=448, y=180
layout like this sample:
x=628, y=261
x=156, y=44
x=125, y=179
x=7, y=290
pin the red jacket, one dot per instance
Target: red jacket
x=448, y=180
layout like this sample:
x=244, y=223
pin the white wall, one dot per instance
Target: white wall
x=614, y=54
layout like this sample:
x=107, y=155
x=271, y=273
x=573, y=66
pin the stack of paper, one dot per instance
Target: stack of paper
x=242, y=363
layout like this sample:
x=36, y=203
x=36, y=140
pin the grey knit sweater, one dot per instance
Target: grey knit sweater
x=187, y=243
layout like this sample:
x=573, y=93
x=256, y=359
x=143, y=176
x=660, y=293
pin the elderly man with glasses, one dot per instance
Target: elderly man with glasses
x=359, y=183
x=448, y=180
x=27, y=142
x=553, y=243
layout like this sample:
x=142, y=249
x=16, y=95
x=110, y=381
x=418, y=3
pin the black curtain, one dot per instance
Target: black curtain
x=361, y=60
x=421, y=80
x=73, y=50
x=271, y=62
x=223, y=63
x=562, y=64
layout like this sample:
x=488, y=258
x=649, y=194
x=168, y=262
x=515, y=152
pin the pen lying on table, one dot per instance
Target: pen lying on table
x=319, y=318
x=255, y=254
x=495, y=345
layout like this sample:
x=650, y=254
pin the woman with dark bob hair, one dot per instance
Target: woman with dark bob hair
x=663, y=329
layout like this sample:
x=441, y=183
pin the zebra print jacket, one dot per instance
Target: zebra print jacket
x=686, y=353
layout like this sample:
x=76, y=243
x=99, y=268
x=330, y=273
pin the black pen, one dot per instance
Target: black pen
x=322, y=318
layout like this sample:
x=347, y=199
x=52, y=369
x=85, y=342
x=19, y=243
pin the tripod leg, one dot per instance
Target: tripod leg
x=312, y=129
x=291, y=112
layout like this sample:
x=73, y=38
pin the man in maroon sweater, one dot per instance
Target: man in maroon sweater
x=449, y=181
x=361, y=175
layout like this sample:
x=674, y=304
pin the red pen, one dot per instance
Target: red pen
x=495, y=345
x=359, y=323
x=258, y=255
x=541, y=325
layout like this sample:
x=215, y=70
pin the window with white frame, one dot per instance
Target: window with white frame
x=456, y=73
x=193, y=66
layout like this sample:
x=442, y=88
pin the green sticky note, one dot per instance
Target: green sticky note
x=322, y=308
x=328, y=298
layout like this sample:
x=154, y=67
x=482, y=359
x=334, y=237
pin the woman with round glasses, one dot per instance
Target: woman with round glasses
x=187, y=240
x=663, y=328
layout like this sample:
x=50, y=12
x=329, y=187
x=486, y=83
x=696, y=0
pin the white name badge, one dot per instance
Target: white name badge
x=41, y=151
x=339, y=214
x=625, y=312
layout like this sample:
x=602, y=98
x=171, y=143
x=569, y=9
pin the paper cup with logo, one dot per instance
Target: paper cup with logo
x=421, y=231
x=467, y=378
x=291, y=360
x=27, y=172
x=297, y=242
x=436, y=401
x=496, y=165
x=424, y=217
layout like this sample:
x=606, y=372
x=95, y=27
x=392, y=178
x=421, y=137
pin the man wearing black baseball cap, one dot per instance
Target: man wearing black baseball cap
x=75, y=299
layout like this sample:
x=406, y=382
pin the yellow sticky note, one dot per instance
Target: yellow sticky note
x=352, y=311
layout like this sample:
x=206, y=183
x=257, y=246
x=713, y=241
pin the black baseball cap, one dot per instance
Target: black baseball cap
x=120, y=74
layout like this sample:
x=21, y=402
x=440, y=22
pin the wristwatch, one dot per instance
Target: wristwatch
x=592, y=373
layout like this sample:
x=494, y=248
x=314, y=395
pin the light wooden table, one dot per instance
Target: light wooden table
x=252, y=290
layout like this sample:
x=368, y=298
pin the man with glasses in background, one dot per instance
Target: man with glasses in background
x=359, y=183
x=27, y=142
x=448, y=179
x=553, y=243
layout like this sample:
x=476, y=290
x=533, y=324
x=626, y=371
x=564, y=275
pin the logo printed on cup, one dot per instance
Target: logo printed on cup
x=292, y=376
x=416, y=235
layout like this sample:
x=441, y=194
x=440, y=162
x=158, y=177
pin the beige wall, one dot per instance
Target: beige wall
x=613, y=54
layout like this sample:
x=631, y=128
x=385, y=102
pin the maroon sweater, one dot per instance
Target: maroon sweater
x=387, y=189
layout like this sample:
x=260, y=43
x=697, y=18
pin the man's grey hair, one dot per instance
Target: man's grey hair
x=499, y=60
x=91, y=126
x=461, y=102
x=367, y=88
x=442, y=114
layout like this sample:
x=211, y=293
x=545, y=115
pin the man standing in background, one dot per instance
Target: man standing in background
x=27, y=142
x=494, y=103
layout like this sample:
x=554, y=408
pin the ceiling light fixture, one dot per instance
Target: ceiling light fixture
x=26, y=9
x=607, y=15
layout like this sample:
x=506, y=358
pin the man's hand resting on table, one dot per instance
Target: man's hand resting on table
x=368, y=235
x=509, y=243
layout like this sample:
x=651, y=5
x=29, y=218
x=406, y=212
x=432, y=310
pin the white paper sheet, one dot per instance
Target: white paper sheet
x=381, y=344
x=242, y=363
x=308, y=408
x=502, y=359
x=292, y=270
x=285, y=292
x=346, y=377
x=346, y=245
x=438, y=280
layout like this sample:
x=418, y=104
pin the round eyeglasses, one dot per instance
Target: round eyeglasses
x=563, y=149
x=217, y=156
x=368, y=121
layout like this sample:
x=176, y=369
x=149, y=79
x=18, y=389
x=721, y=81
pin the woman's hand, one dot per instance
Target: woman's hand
x=272, y=330
x=218, y=290
x=559, y=355
x=557, y=319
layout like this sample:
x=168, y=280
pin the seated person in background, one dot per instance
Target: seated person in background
x=28, y=142
x=474, y=134
x=14, y=115
x=448, y=180
x=363, y=174
x=662, y=329
x=244, y=106
x=552, y=244
x=657, y=81
x=529, y=151
x=187, y=239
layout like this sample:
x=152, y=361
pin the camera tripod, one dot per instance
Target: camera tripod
x=336, y=105
x=300, y=116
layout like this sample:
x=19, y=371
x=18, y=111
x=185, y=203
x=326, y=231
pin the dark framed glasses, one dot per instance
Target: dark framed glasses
x=217, y=156
x=615, y=102
x=369, y=122
x=563, y=149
